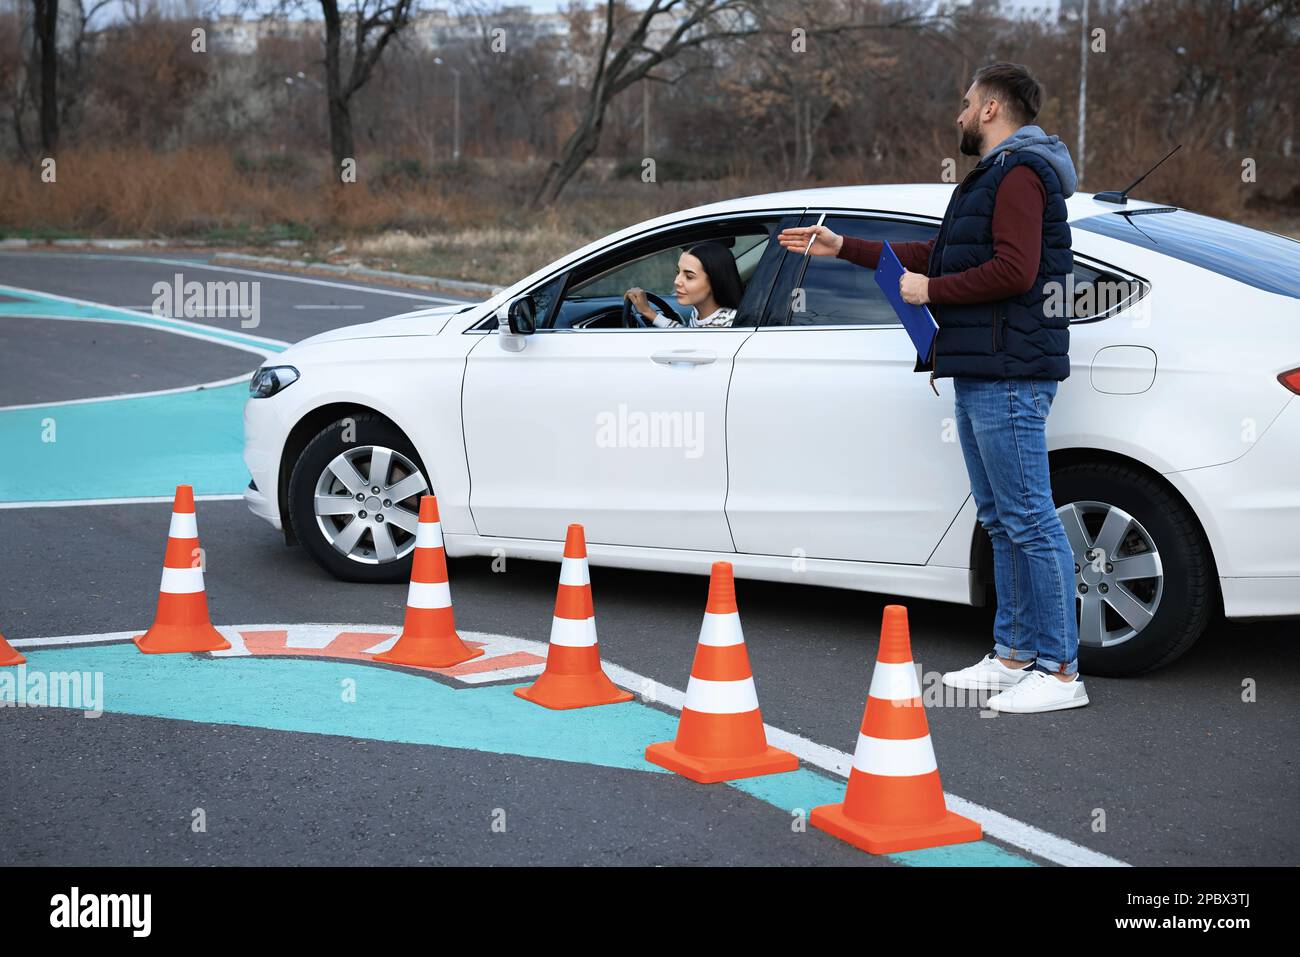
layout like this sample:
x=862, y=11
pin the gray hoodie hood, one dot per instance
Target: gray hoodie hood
x=1050, y=148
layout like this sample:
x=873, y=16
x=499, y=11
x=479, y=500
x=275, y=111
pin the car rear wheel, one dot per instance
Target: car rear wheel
x=354, y=499
x=1144, y=579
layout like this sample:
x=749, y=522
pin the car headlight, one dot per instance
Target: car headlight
x=269, y=380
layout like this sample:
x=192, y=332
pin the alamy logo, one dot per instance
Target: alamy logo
x=1083, y=300
x=635, y=429
x=24, y=687
x=179, y=299
x=103, y=910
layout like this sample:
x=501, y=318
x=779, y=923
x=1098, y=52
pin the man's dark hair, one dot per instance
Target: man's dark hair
x=1012, y=85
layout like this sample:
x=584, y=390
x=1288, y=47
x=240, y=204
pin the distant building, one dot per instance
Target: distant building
x=435, y=28
x=1048, y=11
x=431, y=29
x=1043, y=10
x=233, y=34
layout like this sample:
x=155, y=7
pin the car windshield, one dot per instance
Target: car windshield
x=1261, y=259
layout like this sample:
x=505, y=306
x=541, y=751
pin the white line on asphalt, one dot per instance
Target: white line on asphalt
x=143, y=500
x=1028, y=838
x=192, y=330
x=59, y=403
x=131, y=319
x=211, y=314
x=1025, y=836
x=74, y=639
x=188, y=264
x=195, y=329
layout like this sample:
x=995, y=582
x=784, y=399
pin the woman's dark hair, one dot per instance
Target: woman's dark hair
x=720, y=266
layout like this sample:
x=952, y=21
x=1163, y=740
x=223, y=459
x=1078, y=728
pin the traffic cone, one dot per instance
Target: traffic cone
x=429, y=638
x=8, y=654
x=894, y=801
x=720, y=735
x=573, y=677
x=182, y=622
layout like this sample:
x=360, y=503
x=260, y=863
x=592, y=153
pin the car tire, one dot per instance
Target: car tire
x=368, y=431
x=1161, y=523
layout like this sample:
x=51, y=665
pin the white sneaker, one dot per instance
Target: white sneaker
x=989, y=674
x=1040, y=692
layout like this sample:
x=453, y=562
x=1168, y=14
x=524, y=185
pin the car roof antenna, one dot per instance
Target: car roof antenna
x=1121, y=198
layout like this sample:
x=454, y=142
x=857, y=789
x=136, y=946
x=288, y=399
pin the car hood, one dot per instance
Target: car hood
x=422, y=322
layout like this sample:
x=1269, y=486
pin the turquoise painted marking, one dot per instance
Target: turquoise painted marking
x=804, y=790
x=130, y=446
x=36, y=305
x=306, y=695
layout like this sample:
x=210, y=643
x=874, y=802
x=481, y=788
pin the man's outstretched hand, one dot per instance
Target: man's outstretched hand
x=796, y=239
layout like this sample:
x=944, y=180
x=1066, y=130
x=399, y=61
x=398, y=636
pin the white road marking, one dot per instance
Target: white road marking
x=193, y=329
x=189, y=264
x=1028, y=838
x=212, y=312
x=205, y=333
x=131, y=395
x=143, y=500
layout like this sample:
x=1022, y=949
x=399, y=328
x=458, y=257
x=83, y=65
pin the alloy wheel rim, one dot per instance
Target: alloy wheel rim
x=367, y=504
x=1118, y=574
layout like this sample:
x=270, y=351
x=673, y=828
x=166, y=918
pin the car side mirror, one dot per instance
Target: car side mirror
x=520, y=320
x=522, y=316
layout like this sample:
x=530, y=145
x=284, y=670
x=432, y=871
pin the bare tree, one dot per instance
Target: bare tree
x=622, y=61
x=45, y=36
x=73, y=86
x=373, y=24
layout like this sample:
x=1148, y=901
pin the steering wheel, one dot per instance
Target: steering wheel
x=634, y=320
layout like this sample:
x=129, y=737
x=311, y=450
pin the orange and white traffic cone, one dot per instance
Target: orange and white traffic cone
x=573, y=677
x=720, y=735
x=894, y=801
x=9, y=654
x=429, y=638
x=182, y=622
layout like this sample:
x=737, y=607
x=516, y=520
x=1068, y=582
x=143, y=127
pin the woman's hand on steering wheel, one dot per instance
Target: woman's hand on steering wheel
x=636, y=302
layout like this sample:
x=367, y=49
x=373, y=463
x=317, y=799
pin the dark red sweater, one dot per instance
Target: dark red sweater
x=1017, y=245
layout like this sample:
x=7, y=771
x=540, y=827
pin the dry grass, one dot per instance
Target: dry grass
x=467, y=222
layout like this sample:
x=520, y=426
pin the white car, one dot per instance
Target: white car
x=798, y=443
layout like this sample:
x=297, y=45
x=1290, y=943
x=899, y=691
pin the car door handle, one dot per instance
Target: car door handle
x=695, y=357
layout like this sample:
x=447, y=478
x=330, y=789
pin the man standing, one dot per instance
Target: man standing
x=1003, y=242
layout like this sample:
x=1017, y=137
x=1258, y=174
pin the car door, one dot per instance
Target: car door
x=620, y=429
x=837, y=449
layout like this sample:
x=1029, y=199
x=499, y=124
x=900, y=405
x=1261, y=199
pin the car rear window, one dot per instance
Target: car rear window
x=1261, y=259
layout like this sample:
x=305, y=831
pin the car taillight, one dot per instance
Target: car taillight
x=1291, y=380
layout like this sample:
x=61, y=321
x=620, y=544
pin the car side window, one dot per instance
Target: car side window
x=594, y=299
x=836, y=292
x=1098, y=294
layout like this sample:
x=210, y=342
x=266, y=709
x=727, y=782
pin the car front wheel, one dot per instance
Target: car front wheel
x=354, y=499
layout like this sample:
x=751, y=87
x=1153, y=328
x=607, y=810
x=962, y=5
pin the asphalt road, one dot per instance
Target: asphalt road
x=1184, y=771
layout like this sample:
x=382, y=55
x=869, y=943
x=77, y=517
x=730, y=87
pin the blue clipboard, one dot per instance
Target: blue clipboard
x=917, y=320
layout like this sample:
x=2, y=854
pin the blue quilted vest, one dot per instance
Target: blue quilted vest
x=1011, y=338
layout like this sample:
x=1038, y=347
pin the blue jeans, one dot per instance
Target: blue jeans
x=1002, y=426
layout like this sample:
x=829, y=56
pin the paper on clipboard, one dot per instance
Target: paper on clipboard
x=917, y=320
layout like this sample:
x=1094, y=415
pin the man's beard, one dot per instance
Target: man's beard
x=971, y=142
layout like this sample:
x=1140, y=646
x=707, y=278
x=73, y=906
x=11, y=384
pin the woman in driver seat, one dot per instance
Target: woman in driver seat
x=707, y=281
